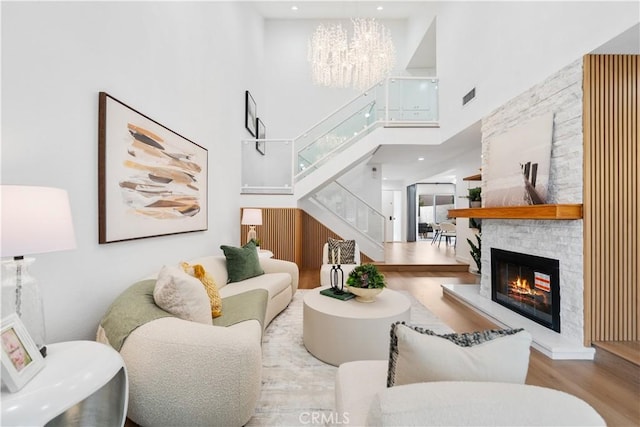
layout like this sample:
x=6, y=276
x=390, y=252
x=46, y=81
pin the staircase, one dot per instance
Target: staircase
x=397, y=110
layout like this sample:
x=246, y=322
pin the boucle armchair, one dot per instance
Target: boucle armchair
x=187, y=373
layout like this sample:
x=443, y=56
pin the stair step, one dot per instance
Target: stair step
x=422, y=267
x=627, y=350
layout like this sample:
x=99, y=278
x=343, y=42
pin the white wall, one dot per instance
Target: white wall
x=185, y=65
x=292, y=104
x=504, y=48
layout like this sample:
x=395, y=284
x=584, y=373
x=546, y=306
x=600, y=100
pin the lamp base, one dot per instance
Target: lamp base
x=251, y=235
x=21, y=295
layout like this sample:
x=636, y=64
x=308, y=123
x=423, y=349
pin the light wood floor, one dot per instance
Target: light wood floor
x=610, y=384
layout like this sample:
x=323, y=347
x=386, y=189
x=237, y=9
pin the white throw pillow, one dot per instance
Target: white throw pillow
x=419, y=355
x=182, y=295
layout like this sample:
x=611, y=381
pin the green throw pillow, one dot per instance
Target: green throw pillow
x=242, y=263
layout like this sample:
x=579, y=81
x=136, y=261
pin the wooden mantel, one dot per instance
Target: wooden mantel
x=551, y=212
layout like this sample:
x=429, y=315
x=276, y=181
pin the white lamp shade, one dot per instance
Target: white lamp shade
x=35, y=220
x=251, y=217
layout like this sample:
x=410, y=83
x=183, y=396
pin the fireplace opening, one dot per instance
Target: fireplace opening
x=528, y=285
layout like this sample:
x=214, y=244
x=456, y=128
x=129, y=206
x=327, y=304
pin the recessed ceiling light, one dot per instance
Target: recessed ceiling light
x=379, y=8
x=294, y=7
x=421, y=158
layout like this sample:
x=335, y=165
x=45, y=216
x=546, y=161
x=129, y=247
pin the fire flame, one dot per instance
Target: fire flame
x=521, y=286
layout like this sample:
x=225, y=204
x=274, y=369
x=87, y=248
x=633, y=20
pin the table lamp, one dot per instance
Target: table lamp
x=251, y=217
x=34, y=220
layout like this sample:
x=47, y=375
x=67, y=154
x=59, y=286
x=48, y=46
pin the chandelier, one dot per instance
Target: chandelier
x=336, y=62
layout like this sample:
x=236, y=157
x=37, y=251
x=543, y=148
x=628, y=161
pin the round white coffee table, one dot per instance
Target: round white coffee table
x=336, y=331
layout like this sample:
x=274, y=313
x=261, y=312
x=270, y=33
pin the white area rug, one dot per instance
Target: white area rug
x=294, y=383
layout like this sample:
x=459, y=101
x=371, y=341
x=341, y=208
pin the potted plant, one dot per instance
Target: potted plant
x=476, y=252
x=475, y=197
x=365, y=281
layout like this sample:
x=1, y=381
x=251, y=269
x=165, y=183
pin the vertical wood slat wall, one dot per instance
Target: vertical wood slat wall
x=611, y=200
x=280, y=233
x=315, y=236
x=292, y=235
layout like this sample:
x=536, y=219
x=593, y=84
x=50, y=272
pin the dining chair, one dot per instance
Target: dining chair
x=448, y=231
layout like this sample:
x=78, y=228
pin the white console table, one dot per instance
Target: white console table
x=83, y=383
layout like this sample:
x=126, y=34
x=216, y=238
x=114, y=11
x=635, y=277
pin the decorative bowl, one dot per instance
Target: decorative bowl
x=365, y=294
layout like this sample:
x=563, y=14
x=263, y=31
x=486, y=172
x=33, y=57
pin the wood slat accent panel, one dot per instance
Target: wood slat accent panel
x=279, y=233
x=292, y=235
x=611, y=200
x=315, y=235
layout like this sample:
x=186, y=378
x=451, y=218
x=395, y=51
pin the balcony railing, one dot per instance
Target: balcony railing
x=267, y=166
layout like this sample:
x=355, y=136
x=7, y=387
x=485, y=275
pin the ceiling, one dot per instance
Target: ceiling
x=308, y=9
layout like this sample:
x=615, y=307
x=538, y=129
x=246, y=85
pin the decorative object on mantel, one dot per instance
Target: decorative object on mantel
x=366, y=282
x=252, y=218
x=362, y=62
x=151, y=180
x=35, y=220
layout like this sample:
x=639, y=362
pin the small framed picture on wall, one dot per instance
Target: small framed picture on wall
x=250, y=113
x=261, y=145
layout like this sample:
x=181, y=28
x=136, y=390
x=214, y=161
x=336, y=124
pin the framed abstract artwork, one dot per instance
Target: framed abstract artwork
x=250, y=113
x=261, y=146
x=152, y=181
x=21, y=360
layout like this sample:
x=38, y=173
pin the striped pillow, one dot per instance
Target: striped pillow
x=346, y=249
x=420, y=355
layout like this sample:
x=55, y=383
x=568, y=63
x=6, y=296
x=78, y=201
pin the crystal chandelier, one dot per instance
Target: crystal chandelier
x=336, y=62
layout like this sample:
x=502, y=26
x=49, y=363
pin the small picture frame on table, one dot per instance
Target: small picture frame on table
x=21, y=360
x=261, y=146
x=250, y=113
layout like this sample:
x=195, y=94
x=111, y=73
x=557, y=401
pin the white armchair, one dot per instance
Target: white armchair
x=325, y=270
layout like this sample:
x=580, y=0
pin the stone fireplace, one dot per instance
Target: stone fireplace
x=528, y=285
x=560, y=240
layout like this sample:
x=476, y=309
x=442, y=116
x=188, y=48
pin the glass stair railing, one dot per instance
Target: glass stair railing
x=352, y=210
x=394, y=102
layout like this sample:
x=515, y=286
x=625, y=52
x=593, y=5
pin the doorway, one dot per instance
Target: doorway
x=392, y=211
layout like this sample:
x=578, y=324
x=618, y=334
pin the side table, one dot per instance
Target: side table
x=83, y=383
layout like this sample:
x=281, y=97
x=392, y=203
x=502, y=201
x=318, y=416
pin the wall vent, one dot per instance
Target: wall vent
x=469, y=96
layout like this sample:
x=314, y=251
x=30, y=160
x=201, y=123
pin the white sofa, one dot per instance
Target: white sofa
x=186, y=373
x=363, y=398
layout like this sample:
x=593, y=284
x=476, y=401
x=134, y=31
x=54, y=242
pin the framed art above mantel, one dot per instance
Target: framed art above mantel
x=152, y=181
